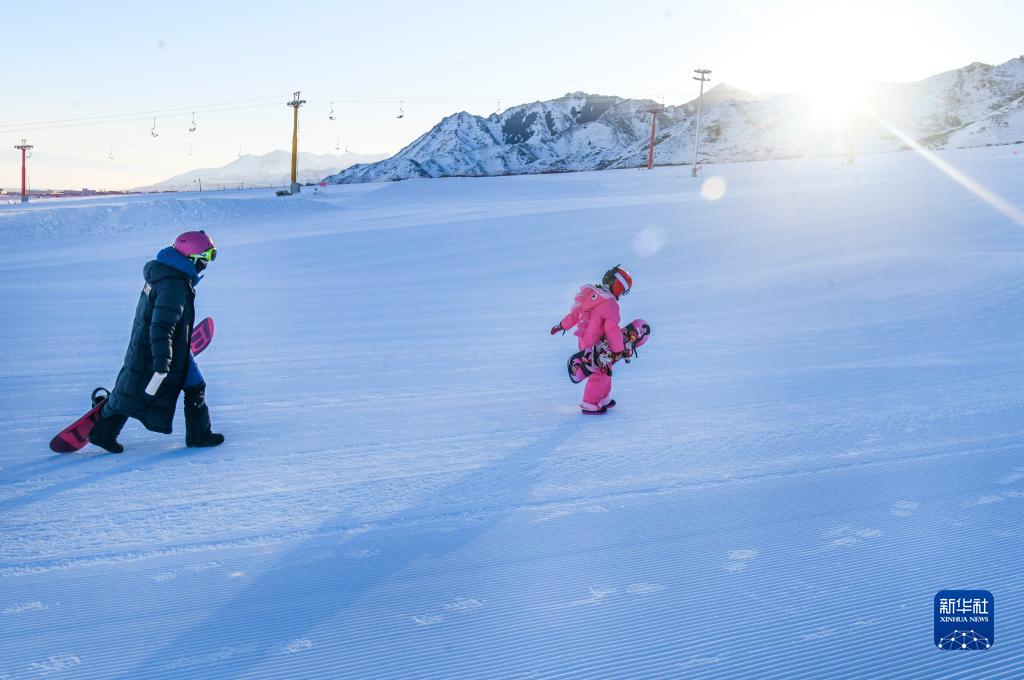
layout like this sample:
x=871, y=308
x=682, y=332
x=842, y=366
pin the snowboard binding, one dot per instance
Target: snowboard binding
x=599, y=358
x=99, y=395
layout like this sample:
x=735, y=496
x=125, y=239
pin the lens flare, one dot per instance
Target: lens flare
x=649, y=241
x=997, y=202
x=837, y=100
x=713, y=188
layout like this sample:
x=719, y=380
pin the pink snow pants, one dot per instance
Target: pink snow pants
x=599, y=386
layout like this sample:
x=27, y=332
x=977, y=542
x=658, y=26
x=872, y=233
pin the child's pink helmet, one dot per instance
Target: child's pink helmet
x=196, y=245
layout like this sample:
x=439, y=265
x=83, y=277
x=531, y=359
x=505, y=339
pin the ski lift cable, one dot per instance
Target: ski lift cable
x=128, y=139
x=250, y=104
x=321, y=97
x=131, y=118
x=140, y=114
x=134, y=141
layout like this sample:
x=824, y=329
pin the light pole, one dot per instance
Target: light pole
x=295, y=104
x=24, y=146
x=701, y=76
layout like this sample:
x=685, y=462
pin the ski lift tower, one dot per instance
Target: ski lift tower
x=24, y=146
x=654, y=110
x=295, y=104
x=702, y=74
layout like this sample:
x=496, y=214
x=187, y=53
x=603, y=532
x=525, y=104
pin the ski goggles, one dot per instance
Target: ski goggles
x=208, y=255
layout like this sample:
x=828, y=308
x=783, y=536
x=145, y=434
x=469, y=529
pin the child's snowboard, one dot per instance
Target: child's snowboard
x=76, y=435
x=600, y=357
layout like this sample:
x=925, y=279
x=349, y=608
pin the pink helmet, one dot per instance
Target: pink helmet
x=196, y=244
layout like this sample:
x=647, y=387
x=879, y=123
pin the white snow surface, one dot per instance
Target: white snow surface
x=824, y=430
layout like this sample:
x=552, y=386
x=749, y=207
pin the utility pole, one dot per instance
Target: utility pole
x=654, y=111
x=24, y=146
x=295, y=104
x=702, y=74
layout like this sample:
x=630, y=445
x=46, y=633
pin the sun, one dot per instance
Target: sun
x=837, y=99
x=834, y=113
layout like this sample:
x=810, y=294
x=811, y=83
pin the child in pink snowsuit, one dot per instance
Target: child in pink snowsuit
x=595, y=314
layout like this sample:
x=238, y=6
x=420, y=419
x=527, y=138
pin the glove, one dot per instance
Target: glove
x=154, y=383
x=557, y=327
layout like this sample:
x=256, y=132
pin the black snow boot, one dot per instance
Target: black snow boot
x=197, y=419
x=104, y=432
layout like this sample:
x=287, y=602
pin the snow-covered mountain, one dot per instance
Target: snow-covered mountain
x=976, y=105
x=271, y=169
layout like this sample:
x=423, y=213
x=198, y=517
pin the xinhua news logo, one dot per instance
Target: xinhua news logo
x=965, y=620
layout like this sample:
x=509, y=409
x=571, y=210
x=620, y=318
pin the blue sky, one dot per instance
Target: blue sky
x=87, y=59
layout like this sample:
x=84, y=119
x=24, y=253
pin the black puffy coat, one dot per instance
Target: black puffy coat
x=161, y=337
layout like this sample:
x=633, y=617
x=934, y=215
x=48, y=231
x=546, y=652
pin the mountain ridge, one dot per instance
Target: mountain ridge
x=974, y=105
x=271, y=169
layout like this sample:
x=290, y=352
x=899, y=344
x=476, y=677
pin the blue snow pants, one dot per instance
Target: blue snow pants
x=194, y=377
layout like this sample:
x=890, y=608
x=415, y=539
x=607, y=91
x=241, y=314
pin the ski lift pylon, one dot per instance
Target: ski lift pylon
x=111, y=154
x=331, y=114
x=337, y=144
x=194, y=126
x=153, y=131
x=401, y=109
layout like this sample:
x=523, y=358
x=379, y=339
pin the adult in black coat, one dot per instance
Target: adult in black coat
x=159, y=364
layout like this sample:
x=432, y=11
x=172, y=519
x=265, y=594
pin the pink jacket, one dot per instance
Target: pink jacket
x=596, y=315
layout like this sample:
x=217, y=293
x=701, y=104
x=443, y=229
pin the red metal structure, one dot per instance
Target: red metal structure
x=654, y=111
x=24, y=185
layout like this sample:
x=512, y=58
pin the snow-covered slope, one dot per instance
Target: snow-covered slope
x=973, y=106
x=824, y=430
x=270, y=169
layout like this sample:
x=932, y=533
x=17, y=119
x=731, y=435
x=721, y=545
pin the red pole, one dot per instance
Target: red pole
x=654, y=111
x=23, y=192
x=654, y=123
